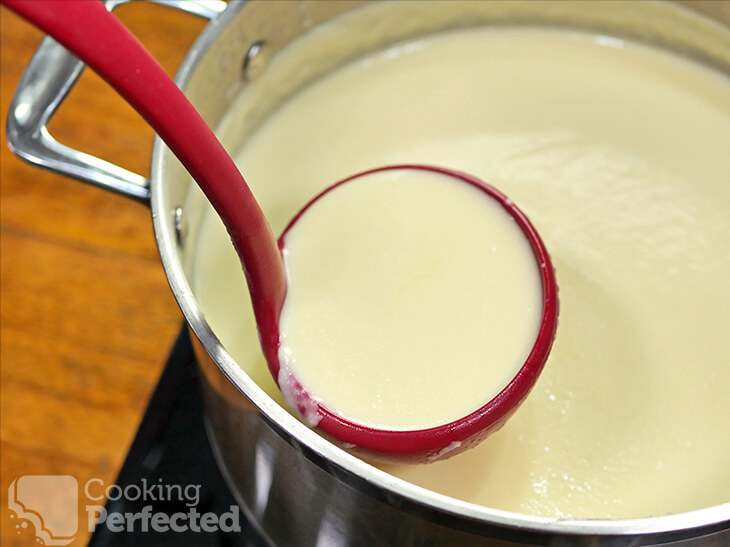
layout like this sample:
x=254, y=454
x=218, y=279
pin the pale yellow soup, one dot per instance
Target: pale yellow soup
x=413, y=298
x=620, y=155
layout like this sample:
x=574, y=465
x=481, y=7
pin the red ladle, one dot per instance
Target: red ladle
x=94, y=35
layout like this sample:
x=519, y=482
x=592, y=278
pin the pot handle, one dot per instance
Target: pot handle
x=46, y=81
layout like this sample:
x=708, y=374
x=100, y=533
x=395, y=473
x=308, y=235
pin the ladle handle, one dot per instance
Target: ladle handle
x=89, y=31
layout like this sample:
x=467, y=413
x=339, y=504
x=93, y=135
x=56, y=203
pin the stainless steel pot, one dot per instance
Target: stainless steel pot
x=295, y=486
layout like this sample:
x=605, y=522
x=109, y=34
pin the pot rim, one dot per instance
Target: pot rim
x=320, y=451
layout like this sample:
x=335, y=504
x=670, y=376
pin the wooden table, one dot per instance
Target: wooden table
x=87, y=315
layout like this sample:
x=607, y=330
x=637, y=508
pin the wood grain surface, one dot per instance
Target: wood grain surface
x=87, y=316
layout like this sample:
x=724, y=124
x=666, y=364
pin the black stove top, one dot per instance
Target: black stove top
x=171, y=448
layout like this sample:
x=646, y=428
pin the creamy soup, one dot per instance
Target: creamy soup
x=618, y=153
x=413, y=298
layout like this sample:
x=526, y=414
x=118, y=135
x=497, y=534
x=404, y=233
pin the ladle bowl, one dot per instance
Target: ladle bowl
x=434, y=443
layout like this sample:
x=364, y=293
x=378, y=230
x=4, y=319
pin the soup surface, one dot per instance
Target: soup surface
x=618, y=153
x=396, y=280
